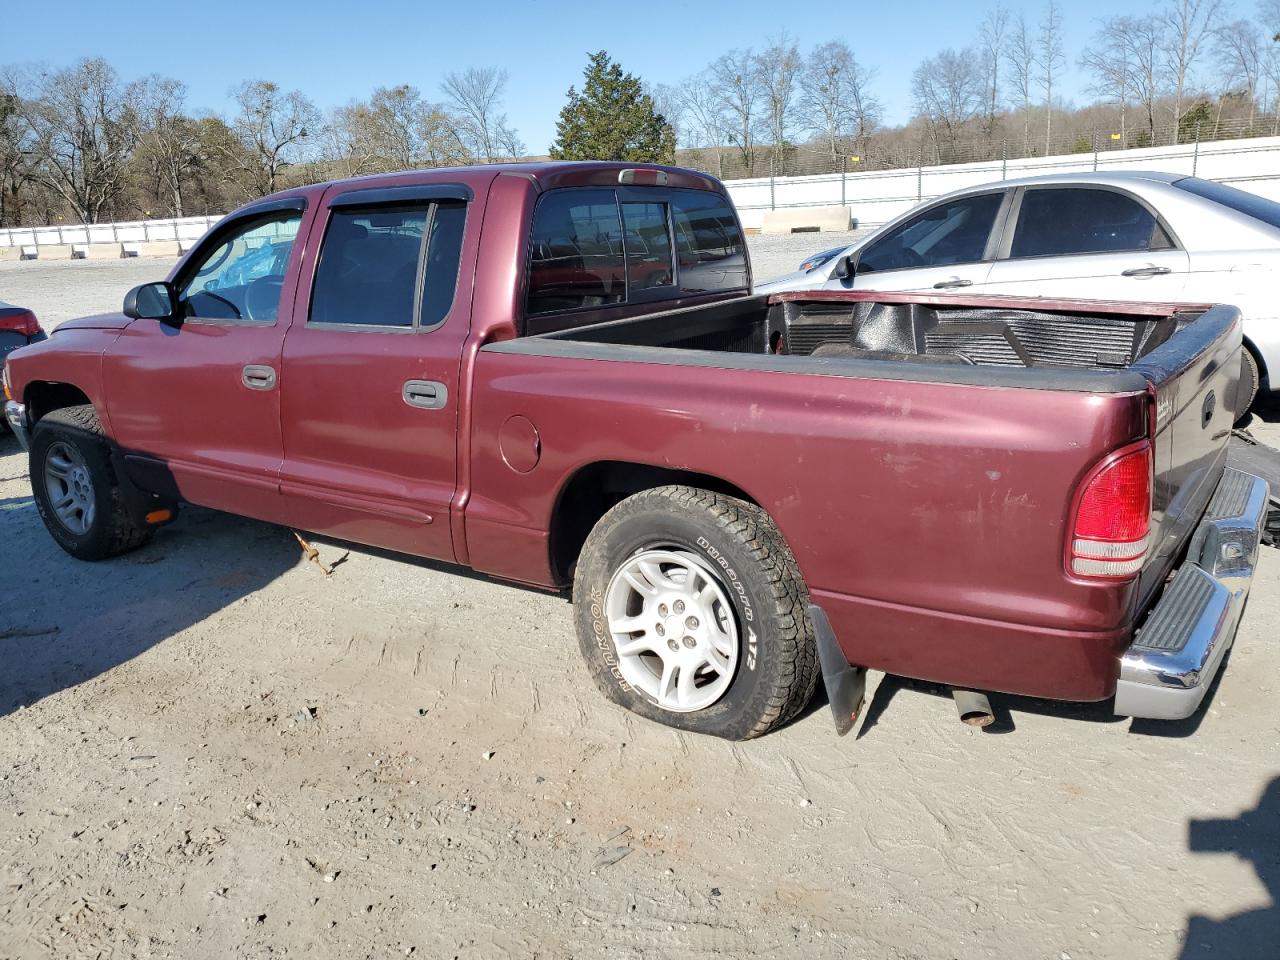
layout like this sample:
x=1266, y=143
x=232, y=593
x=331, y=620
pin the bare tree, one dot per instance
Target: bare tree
x=348, y=144
x=1269, y=16
x=1189, y=25
x=1109, y=63
x=1145, y=39
x=82, y=124
x=992, y=34
x=1238, y=50
x=1020, y=51
x=836, y=101
x=1050, y=59
x=778, y=69
x=704, y=113
x=948, y=93
x=736, y=83
x=171, y=146
x=475, y=96
x=17, y=170
x=668, y=100
x=271, y=128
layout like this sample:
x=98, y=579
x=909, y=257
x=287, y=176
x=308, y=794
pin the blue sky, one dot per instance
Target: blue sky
x=335, y=51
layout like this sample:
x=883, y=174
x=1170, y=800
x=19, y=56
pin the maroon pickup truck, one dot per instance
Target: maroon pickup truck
x=556, y=374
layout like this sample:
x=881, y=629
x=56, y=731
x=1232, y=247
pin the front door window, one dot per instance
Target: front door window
x=242, y=276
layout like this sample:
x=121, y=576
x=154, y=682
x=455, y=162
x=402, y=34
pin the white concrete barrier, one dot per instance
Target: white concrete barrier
x=806, y=220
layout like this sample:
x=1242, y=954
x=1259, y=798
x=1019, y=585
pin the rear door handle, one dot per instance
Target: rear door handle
x=953, y=282
x=1146, y=272
x=257, y=376
x=427, y=394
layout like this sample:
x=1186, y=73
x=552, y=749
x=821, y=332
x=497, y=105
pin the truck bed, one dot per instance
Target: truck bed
x=994, y=332
x=924, y=481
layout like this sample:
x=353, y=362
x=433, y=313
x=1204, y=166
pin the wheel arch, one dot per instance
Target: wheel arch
x=592, y=490
x=42, y=397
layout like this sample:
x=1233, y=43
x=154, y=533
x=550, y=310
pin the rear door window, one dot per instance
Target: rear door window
x=709, y=243
x=1066, y=222
x=388, y=266
x=953, y=232
x=577, y=256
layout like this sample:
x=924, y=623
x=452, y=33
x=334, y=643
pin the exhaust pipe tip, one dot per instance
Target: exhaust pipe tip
x=974, y=708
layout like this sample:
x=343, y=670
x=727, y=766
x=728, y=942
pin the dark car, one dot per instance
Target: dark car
x=18, y=327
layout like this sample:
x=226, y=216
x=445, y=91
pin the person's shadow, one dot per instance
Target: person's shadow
x=1252, y=836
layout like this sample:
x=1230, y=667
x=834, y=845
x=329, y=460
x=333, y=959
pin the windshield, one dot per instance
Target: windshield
x=1250, y=204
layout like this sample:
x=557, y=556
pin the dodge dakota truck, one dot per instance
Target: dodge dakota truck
x=556, y=374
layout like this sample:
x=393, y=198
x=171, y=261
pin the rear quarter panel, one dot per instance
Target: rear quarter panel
x=927, y=518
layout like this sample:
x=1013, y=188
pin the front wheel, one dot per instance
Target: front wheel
x=690, y=611
x=75, y=487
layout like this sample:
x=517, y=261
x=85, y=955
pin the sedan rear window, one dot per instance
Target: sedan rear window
x=1062, y=222
x=1250, y=204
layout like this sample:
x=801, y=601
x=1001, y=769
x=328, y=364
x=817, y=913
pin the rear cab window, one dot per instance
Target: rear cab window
x=598, y=247
x=388, y=266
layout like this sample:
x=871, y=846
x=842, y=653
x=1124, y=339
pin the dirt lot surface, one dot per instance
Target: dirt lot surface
x=208, y=748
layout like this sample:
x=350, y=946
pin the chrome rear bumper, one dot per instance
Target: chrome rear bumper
x=1166, y=672
x=15, y=414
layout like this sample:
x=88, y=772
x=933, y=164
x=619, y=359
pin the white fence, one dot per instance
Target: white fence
x=137, y=231
x=878, y=197
x=874, y=198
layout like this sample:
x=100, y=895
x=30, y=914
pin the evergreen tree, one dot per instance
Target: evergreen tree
x=612, y=119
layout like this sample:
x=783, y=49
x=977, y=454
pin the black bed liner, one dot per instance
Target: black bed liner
x=1101, y=349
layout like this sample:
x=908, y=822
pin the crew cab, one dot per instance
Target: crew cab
x=556, y=374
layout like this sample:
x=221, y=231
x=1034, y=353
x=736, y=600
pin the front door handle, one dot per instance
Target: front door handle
x=257, y=376
x=427, y=394
x=953, y=282
x=1146, y=272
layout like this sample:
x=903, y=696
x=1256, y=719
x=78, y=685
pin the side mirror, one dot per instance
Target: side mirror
x=846, y=267
x=151, y=301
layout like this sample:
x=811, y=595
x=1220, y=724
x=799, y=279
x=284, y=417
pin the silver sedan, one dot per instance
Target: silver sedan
x=1147, y=237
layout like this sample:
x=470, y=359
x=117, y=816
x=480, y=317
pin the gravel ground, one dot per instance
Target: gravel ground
x=213, y=750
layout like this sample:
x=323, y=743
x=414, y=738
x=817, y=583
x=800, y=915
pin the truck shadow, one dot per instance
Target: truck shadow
x=1253, y=836
x=64, y=622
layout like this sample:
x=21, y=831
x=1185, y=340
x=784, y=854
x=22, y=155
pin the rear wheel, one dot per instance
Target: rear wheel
x=75, y=487
x=690, y=611
x=1250, y=380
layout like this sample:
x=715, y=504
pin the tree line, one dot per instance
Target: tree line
x=84, y=144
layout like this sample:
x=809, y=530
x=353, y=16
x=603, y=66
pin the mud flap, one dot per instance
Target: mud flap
x=846, y=684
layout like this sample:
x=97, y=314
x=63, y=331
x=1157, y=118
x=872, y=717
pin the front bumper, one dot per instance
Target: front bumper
x=1168, y=669
x=15, y=414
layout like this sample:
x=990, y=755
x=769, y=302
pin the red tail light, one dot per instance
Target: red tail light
x=1113, y=518
x=20, y=321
